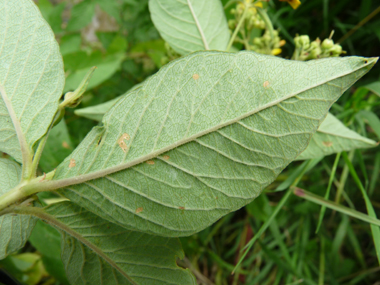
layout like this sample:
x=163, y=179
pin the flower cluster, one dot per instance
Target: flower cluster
x=306, y=50
x=268, y=44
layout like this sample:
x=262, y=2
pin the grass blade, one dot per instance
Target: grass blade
x=371, y=212
x=323, y=209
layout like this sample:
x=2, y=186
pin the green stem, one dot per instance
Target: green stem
x=334, y=206
x=268, y=23
x=11, y=197
x=242, y=19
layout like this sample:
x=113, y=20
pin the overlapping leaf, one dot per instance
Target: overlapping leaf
x=202, y=137
x=95, y=251
x=332, y=137
x=14, y=230
x=191, y=25
x=31, y=74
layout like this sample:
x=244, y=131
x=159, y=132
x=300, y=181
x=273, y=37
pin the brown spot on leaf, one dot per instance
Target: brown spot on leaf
x=166, y=157
x=139, y=210
x=266, y=84
x=65, y=145
x=181, y=208
x=195, y=76
x=151, y=162
x=72, y=163
x=122, y=143
x=327, y=144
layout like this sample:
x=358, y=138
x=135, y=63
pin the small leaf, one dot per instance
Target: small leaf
x=226, y=136
x=333, y=137
x=97, y=112
x=31, y=76
x=14, y=229
x=191, y=25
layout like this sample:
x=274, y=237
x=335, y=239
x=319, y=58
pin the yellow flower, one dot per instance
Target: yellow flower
x=293, y=3
x=276, y=51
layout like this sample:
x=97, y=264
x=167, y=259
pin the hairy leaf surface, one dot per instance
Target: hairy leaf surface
x=191, y=25
x=202, y=137
x=95, y=251
x=332, y=137
x=31, y=76
x=14, y=229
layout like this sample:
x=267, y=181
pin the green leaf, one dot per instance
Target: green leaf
x=95, y=251
x=106, y=67
x=31, y=77
x=47, y=241
x=371, y=119
x=191, y=25
x=332, y=137
x=14, y=230
x=201, y=138
x=374, y=87
x=81, y=15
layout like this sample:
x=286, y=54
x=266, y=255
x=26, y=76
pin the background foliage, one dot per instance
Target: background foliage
x=119, y=38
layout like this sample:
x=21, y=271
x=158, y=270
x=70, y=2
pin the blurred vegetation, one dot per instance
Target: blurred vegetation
x=119, y=38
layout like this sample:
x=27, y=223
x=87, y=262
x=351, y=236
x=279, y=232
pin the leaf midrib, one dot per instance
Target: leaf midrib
x=17, y=127
x=56, y=184
x=204, y=40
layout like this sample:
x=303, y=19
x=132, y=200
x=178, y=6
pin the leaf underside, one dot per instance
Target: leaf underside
x=332, y=137
x=203, y=137
x=14, y=229
x=31, y=72
x=191, y=25
x=95, y=251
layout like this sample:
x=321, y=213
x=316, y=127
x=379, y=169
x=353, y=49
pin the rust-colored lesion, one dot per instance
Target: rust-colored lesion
x=327, y=144
x=139, y=210
x=266, y=84
x=72, y=163
x=195, y=76
x=122, y=144
x=150, y=162
x=166, y=157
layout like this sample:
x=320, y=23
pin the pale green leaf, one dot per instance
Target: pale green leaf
x=191, y=25
x=332, y=137
x=96, y=112
x=202, y=137
x=14, y=229
x=95, y=251
x=31, y=75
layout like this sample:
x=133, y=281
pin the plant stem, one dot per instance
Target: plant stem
x=268, y=23
x=334, y=206
x=11, y=197
x=242, y=19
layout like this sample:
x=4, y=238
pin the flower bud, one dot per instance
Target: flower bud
x=327, y=44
